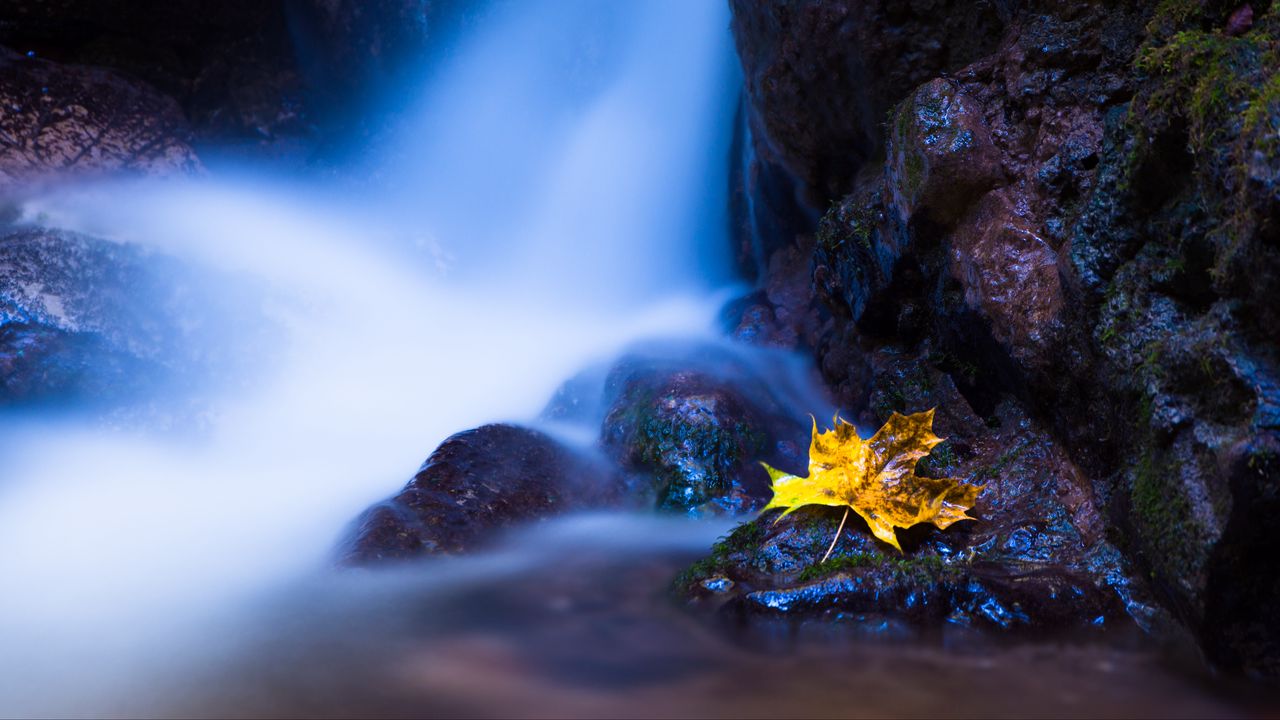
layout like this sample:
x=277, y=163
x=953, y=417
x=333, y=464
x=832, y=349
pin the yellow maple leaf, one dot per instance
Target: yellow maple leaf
x=876, y=478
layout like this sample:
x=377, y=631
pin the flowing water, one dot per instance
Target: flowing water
x=556, y=192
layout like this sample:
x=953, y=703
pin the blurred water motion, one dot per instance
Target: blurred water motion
x=572, y=620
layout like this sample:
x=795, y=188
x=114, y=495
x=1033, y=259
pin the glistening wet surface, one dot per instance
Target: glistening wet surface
x=574, y=619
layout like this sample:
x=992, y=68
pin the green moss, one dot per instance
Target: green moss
x=952, y=365
x=997, y=468
x=839, y=564
x=919, y=568
x=713, y=448
x=847, y=223
x=1152, y=368
x=1223, y=92
x=700, y=570
x=1173, y=542
x=904, y=143
x=744, y=538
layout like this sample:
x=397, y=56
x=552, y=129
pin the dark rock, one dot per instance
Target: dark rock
x=477, y=484
x=1240, y=22
x=820, y=76
x=353, y=45
x=283, y=76
x=1115, y=279
x=89, y=320
x=940, y=154
x=228, y=67
x=783, y=314
x=69, y=118
x=1035, y=559
x=693, y=422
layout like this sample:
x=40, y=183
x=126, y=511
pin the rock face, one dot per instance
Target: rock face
x=1074, y=226
x=476, y=484
x=88, y=320
x=76, y=119
x=820, y=76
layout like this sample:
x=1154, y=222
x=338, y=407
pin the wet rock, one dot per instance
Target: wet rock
x=694, y=422
x=1036, y=559
x=940, y=154
x=821, y=76
x=89, y=320
x=76, y=119
x=1240, y=22
x=477, y=484
x=1116, y=280
x=1010, y=278
x=783, y=314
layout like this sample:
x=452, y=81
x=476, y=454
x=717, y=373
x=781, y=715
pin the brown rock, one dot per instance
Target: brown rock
x=70, y=118
x=940, y=154
x=1240, y=22
x=1010, y=277
x=475, y=485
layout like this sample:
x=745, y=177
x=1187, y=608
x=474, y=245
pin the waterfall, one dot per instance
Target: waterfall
x=556, y=193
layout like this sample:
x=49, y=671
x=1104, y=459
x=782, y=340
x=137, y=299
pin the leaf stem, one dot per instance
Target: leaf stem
x=837, y=537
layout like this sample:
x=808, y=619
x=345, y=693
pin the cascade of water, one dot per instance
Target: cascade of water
x=558, y=193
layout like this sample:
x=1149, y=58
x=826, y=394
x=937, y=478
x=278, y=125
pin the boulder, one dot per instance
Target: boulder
x=941, y=157
x=85, y=320
x=1035, y=559
x=475, y=485
x=694, y=424
x=82, y=120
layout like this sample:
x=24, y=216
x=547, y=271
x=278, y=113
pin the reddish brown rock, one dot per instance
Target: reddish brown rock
x=474, y=486
x=940, y=154
x=81, y=120
x=1010, y=277
x=1240, y=21
x=1117, y=283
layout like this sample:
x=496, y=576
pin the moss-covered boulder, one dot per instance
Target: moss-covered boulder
x=694, y=422
x=940, y=154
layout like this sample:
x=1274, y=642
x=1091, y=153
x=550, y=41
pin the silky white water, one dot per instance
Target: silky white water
x=557, y=193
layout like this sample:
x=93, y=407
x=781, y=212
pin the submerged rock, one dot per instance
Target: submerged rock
x=475, y=485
